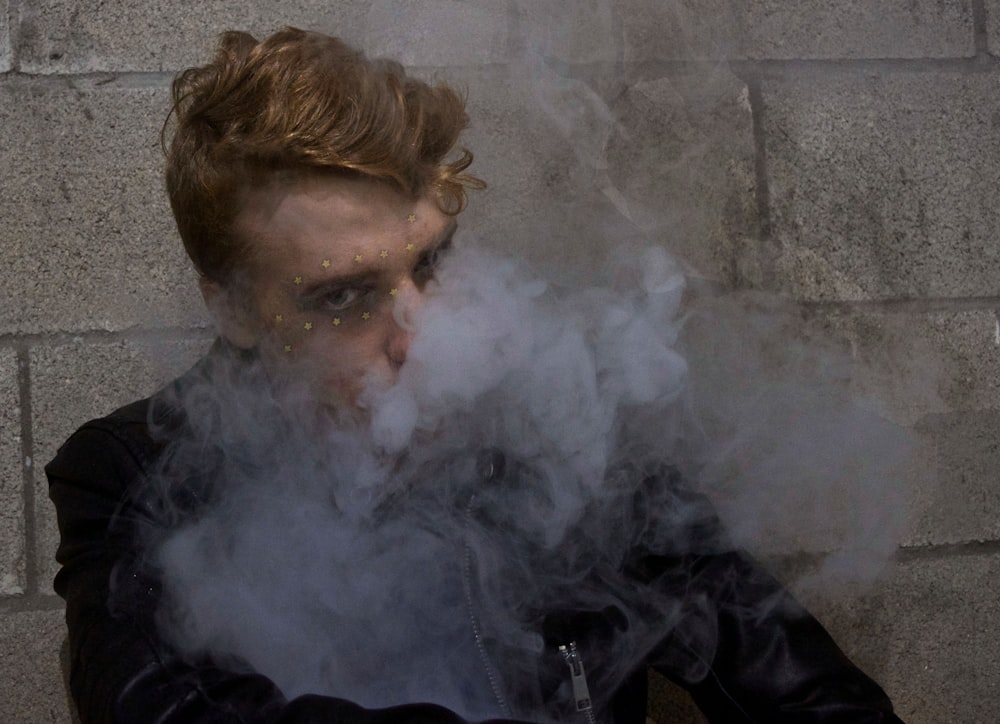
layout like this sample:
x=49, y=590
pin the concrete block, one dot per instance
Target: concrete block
x=924, y=364
x=882, y=186
x=963, y=450
x=928, y=634
x=88, y=234
x=438, y=32
x=970, y=344
x=781, y=30
x=933, y=374
x=859, y=29
x=586, y=31
x=11, y=479
x=5, y=58
x=34, y=688
x=682, y=29
x=681, y=159
x=573, y=174
x=57, y=36
x=796, y=460
x=537, y=185
x=77, y=381
x=993, y=26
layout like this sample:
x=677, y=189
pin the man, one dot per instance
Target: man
x=316, y=192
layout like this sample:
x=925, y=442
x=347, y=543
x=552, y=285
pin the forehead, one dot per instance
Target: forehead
x=297, y=222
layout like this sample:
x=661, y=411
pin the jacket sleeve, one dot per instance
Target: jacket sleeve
x=744, y=648
x=120, y=671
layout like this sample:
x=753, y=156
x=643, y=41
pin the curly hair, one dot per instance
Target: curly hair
x=298, y=102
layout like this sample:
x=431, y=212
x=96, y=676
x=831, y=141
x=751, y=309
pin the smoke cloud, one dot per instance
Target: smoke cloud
x=535, y=438
x=538, y=434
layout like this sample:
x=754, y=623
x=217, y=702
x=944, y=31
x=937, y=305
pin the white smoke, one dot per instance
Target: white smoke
x=794, y=461
x=333, y=562
x=536, y=436
x=495, y=482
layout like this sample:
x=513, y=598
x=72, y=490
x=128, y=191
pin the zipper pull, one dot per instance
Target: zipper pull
x=581, y=693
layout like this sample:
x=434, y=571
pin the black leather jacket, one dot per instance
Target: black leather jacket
x=780, y=666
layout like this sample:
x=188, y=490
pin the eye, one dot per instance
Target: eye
x=341, y=299
x=428, y=263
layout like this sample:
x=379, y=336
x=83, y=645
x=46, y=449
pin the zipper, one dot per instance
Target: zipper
x=578, y=677
x=491, y=672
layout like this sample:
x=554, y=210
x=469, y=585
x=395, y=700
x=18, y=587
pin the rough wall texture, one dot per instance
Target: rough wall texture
x=843, y=153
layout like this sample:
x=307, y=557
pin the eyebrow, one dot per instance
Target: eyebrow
x=365, y=275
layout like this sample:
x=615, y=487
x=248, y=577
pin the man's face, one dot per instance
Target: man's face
x=337, y=268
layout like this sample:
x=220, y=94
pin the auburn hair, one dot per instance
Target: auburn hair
x=299, y=102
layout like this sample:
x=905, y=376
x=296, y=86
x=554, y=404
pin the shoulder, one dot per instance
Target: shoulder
x=123, y=445
x=112, y=447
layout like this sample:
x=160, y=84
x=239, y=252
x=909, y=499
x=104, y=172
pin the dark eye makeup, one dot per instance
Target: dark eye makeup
x=428, y=262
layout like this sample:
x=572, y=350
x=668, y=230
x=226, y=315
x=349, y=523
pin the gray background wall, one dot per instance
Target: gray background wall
x=844, y=153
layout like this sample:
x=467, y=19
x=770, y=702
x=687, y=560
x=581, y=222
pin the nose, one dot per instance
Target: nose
x=408, y=301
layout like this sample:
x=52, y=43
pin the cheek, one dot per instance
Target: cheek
x=336, y=365
x=311, y=373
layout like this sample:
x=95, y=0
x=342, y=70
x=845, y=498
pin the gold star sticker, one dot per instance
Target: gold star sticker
x=366, y=315
x=278, y=319
x=308, y=326
x=288, y=348
x=326, y=264
x=336, y=321
x=410, y=247
x=384, y=254
x=411, y=218
x=358, y=258
x=297, y=280
x=393, y=292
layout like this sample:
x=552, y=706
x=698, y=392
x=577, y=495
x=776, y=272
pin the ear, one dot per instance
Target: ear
x=233, y=318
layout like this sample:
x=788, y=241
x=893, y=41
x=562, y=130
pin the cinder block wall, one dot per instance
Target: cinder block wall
x=843, y=153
